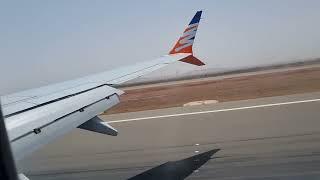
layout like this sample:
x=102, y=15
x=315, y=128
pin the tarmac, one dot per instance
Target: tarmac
x=264, y=138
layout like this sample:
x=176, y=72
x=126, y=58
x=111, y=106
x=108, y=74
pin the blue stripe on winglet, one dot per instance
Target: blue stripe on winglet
x=196, y=18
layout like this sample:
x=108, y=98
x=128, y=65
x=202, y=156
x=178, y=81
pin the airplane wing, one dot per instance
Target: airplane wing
x=35, y=117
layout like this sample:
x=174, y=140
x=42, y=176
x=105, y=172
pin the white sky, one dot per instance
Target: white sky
x=44, y=42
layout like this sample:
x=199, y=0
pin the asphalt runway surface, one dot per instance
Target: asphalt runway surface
x=267, y=138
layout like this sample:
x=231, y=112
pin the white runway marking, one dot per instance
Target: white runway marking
x=217, y=110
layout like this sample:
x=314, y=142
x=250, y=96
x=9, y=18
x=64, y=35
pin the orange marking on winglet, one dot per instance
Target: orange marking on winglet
x=192, y=60
x=184, y=50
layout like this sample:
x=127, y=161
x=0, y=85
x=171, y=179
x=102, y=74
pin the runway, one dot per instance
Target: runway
x=266, y=138
x=261, y=84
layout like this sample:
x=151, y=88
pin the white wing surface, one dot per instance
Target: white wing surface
x=21, y=101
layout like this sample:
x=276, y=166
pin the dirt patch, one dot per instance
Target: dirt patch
x=229, y=89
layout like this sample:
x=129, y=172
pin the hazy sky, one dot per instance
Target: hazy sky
x=50, y=41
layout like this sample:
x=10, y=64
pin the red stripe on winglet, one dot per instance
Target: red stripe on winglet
x=189, y=28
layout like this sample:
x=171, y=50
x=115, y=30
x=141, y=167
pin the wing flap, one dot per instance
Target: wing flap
x=26, y=122
x=99, y=126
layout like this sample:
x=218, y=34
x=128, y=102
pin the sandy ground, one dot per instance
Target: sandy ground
x=221, y=89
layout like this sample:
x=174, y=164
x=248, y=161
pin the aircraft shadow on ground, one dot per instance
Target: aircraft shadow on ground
x=176, y=170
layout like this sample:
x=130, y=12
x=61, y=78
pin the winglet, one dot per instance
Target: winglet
x=185, y=42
